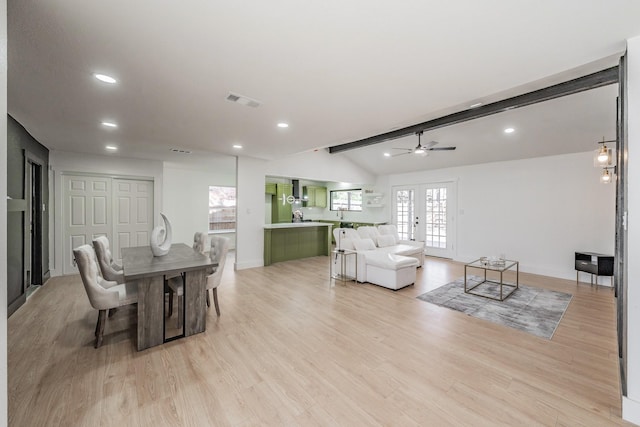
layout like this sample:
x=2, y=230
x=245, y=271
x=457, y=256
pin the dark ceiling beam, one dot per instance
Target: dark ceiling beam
x=580, y=84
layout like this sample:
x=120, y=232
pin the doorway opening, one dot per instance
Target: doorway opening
x=33, y=277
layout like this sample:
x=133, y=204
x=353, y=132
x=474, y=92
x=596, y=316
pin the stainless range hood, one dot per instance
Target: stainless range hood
x=297, y=190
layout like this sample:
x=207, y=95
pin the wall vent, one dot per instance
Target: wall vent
x=243, y=100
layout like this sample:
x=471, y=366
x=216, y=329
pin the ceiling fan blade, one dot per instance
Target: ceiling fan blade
x=429, y=144
x=441, y=148
x=401, y=154
x=405, y=149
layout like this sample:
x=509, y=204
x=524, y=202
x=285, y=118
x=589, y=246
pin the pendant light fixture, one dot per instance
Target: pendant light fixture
x=603, y=156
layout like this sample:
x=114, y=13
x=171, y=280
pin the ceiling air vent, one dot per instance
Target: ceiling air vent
x=180, y=151
x=243, y=100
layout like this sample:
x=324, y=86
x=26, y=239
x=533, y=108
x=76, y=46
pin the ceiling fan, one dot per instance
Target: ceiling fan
x=423, y=150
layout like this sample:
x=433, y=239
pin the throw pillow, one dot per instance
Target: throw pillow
x=346, y=244
x=386, y=240
x=364, y=245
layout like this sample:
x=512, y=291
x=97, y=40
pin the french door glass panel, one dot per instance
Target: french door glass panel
x=426, y=212
x=436, y=218
x=404, y=212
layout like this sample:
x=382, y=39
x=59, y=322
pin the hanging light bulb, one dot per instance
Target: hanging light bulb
x=605, y=178
x=603, y=155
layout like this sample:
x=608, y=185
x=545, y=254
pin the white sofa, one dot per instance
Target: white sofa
x=387, y=240
x=381, y=261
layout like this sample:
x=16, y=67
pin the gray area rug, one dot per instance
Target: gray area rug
x=533, y=310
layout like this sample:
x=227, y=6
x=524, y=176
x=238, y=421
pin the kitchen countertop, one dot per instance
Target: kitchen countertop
x=297, y=225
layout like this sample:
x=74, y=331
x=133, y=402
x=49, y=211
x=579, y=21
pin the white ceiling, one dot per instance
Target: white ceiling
x=336, y=71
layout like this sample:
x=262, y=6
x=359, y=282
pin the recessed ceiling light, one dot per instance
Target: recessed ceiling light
x=509, y=130
x=283, y=125
x=387, y=154
x=109, y=124
x=104, y=78
x=111, y=148
x=476, y=105
x=237, y=146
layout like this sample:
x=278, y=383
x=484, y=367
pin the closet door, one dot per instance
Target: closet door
x=86, y=213
x=133, y=214
x=121, y=209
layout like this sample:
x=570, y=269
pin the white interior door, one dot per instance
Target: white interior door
x=426, y=212
x=86, y=213
x=133, y=214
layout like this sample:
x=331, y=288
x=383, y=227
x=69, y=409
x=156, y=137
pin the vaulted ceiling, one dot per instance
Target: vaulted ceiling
x=335, y=71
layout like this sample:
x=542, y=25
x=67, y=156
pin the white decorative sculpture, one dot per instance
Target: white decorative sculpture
x=161, y=238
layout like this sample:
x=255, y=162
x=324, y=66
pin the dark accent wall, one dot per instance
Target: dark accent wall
x=19, y=140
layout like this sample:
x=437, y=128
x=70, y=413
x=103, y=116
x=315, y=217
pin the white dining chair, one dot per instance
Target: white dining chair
x=110, y=270
x=218, y=254
x=103, y=294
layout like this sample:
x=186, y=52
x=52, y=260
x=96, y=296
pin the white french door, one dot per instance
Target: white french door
x=426, y=212
x=405, y=216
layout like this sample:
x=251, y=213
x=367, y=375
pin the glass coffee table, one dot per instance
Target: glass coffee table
x=493, y=289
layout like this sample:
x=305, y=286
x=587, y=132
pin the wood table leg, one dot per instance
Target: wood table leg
x=150, y=312
x=195, y=304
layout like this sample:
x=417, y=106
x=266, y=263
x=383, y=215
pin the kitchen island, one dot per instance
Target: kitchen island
x=287, y=241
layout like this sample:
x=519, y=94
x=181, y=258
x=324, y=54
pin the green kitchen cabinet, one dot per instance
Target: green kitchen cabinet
x=270, y=188
x=281, y=208
x=315, y=196
x=284, y=244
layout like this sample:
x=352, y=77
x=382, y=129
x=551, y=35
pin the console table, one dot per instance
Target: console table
x=594, y=263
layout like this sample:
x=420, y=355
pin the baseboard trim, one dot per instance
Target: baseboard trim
x=248, y=264
x=630, y=410
x=14, y=306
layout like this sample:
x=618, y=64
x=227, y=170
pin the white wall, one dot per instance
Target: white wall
x=538, y=211
x=631, y=403
x=186, y=198
x=63, y=161
x=3, y=213
x=318, y=166
x=250, y=216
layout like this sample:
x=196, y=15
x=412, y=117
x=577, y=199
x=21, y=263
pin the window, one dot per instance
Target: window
x=346, y=200
x=222, y=208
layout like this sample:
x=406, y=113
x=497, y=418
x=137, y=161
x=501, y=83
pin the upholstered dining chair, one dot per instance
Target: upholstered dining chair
x=175, y=285
x=110, y=270
x=218, y=254
x=103, y=294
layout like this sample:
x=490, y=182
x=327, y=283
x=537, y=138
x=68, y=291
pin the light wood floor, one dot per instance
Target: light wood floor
x=292, y=349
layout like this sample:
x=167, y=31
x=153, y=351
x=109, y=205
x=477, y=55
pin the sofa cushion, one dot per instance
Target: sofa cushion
x=389, y=229
x=390, y=261
x=346, y=244
x=407, y=250
x=386, y=240
x=367, y=231
x=364, y=244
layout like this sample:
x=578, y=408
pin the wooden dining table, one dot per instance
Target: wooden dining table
x=149, y=272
